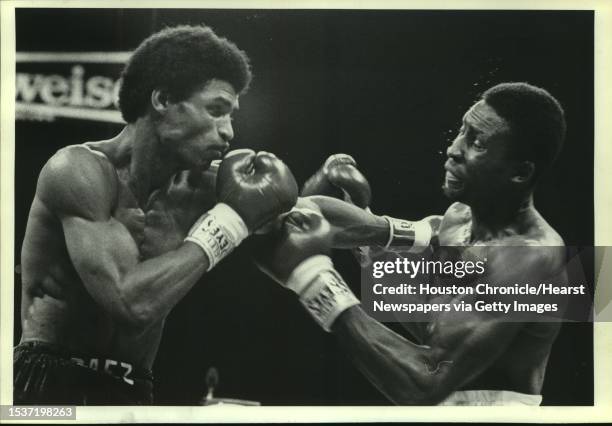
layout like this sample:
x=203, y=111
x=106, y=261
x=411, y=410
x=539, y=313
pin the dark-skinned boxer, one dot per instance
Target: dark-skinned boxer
x=506, y=141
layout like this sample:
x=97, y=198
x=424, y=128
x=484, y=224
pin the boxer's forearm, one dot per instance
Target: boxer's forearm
x=150, y=289
x=352, y=226
x=400, y=369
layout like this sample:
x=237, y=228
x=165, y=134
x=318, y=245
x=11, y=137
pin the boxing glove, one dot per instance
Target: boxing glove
x=252, y=189
x=340, y=178
x=296, y=256
x=258, y=187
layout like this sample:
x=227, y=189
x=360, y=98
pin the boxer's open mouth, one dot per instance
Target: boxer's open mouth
x=451, y=181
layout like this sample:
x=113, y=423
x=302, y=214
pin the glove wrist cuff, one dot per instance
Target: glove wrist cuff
x=416, y=235
x=306, y=271
x=232, y=221
x=321, y=290
x=218, y=232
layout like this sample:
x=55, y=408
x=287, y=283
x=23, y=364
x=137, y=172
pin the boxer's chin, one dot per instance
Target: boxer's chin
x=453, y=193
x=453, y=186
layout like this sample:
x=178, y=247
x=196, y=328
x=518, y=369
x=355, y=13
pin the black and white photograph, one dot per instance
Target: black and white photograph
x=198, y=191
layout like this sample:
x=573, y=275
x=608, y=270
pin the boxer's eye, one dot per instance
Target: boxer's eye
x=216, y=110
x=478, y=145
x=472, y=136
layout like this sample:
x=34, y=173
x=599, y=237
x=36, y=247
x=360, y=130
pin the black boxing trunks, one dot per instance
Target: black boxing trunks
x=45, y=374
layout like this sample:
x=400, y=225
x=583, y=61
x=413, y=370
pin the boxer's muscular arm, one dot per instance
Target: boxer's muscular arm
x=81, y=190
x=355, y=227
x=453, y=352
x=352, y=226
x=411, y=374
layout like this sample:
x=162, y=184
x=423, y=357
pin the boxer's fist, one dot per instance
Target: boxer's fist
x=296, y=257
x=303, y=233
x=340, y=178
x=257, y=186
x=173, y=209
x=190, y=193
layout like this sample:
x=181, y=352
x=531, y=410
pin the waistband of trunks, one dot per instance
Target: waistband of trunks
x=491, y=397
x=120, y=369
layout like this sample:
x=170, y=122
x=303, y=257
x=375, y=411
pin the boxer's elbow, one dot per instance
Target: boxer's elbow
x=130, y=316
x=426, y=392
x=140, y=317
x=410, y=390
x=136, y=313
x=424, y=382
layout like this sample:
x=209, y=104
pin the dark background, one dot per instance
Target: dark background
x=388, y=87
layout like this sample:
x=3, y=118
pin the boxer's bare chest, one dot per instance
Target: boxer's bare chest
x=127, y=211
x=152, y=227
x=169, y=212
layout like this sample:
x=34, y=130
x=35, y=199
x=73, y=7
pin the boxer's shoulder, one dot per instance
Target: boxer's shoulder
x=455, y=218
x=533, y=244
x=77, y=179
x=457, y=213
x=77, y=160
x=551, y=251
x=542, y=233
x=532, y=230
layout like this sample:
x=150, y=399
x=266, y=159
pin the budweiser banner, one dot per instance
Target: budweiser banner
x=73, y=85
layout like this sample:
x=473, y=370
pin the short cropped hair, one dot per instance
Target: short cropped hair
x=536, y=119
x=179, y=60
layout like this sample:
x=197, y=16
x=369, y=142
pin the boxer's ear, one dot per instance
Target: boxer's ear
x=159, y=100
x=524, y=172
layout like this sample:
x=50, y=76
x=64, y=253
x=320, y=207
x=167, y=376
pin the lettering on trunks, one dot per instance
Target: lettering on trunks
x=114, y=368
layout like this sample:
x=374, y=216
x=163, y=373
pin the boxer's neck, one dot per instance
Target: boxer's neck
x=491, y=220
x=148, y=167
